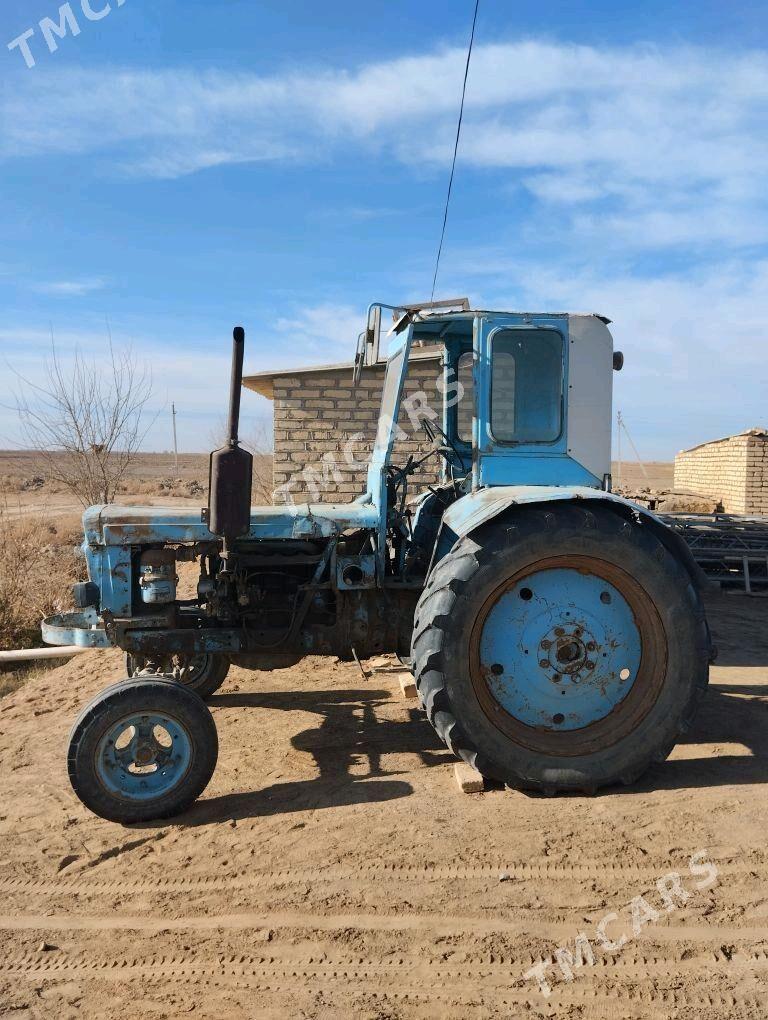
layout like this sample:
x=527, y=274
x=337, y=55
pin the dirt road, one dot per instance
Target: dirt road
x=333, y=869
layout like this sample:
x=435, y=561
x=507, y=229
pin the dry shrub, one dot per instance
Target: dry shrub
x=39, y=562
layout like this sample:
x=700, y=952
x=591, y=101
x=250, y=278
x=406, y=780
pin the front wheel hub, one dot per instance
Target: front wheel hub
x=143, y=756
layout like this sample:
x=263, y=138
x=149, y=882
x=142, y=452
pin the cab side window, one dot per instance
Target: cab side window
x=526, y=386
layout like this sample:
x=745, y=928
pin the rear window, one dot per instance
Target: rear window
x=526, y=385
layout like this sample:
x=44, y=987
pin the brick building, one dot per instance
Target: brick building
x=325, y=429
x=733, y=470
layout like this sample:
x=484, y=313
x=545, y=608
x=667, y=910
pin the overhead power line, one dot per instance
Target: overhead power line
x=455, y=149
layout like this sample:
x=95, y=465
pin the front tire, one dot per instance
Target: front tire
x=562, y=648
x=143, y=749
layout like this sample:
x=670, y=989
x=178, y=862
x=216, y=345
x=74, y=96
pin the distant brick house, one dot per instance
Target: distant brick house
x=733, y=470
x=325, y=428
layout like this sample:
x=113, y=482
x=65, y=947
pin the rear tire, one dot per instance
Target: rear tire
x=143, y=749
x=567, y=596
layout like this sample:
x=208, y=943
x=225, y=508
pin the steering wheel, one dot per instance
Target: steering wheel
x=433, y=430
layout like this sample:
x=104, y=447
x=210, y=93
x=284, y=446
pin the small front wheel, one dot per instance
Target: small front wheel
x=143, y=749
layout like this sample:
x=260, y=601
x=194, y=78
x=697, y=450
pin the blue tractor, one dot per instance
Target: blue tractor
x=556, y=631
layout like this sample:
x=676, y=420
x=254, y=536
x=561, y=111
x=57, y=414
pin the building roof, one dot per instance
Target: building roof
x=263, y=382
x=759, y=432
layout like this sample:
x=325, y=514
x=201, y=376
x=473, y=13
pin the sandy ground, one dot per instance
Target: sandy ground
x=333, y=868
x=652, y=474
x=58, y=506
x=52, y=502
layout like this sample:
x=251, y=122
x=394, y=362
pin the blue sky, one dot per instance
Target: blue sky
x=179, y=167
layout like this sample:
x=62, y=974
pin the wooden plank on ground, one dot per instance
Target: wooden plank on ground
x=408, y=686
x=467, y=778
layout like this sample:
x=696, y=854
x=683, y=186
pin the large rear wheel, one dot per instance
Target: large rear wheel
x=561, y=649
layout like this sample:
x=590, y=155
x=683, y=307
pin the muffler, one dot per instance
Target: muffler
x=230, y=474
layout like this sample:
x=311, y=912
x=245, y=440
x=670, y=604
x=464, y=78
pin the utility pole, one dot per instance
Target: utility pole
x=619, y=423
x=175, y=444
x=634, y=448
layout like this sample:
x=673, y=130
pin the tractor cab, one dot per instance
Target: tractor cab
x=526, y=397
x=526, y=401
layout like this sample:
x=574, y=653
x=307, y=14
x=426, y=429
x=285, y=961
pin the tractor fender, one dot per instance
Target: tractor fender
x=478, y=508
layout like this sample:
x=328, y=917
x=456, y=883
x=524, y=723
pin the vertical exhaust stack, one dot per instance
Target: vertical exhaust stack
x=231, y=468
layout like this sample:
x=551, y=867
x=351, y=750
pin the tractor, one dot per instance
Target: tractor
x=556, y=631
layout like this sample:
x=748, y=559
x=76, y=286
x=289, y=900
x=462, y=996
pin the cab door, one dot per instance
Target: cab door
x=522, y=386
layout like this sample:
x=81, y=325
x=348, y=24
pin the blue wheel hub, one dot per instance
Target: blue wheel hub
x=560, y=649
x=143, y=756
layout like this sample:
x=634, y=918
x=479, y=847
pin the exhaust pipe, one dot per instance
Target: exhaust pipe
x=231, y=468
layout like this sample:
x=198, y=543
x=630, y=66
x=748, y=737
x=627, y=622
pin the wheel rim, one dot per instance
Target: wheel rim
x=568, y=655
x=143, y=756
x=187, y=670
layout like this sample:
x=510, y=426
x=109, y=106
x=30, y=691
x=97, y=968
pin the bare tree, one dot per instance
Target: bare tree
x=86, y=422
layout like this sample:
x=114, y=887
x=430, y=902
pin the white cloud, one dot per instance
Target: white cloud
x=70, y=288
x=631, y=148
x=694, y=342
x=324, y=333
x=624, y=153
x=658, y=134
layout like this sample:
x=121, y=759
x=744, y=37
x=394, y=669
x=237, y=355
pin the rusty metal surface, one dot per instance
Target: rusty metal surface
x=479, y=507
x=730, y=549
x=113, y=525
x=82, y=628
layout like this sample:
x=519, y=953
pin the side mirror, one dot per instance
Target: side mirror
x=357, y=368
x=618, y=361
x=372, y=335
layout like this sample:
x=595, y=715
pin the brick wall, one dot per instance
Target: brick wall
x=733, y=470
x=325, y=430
x=757, y=475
